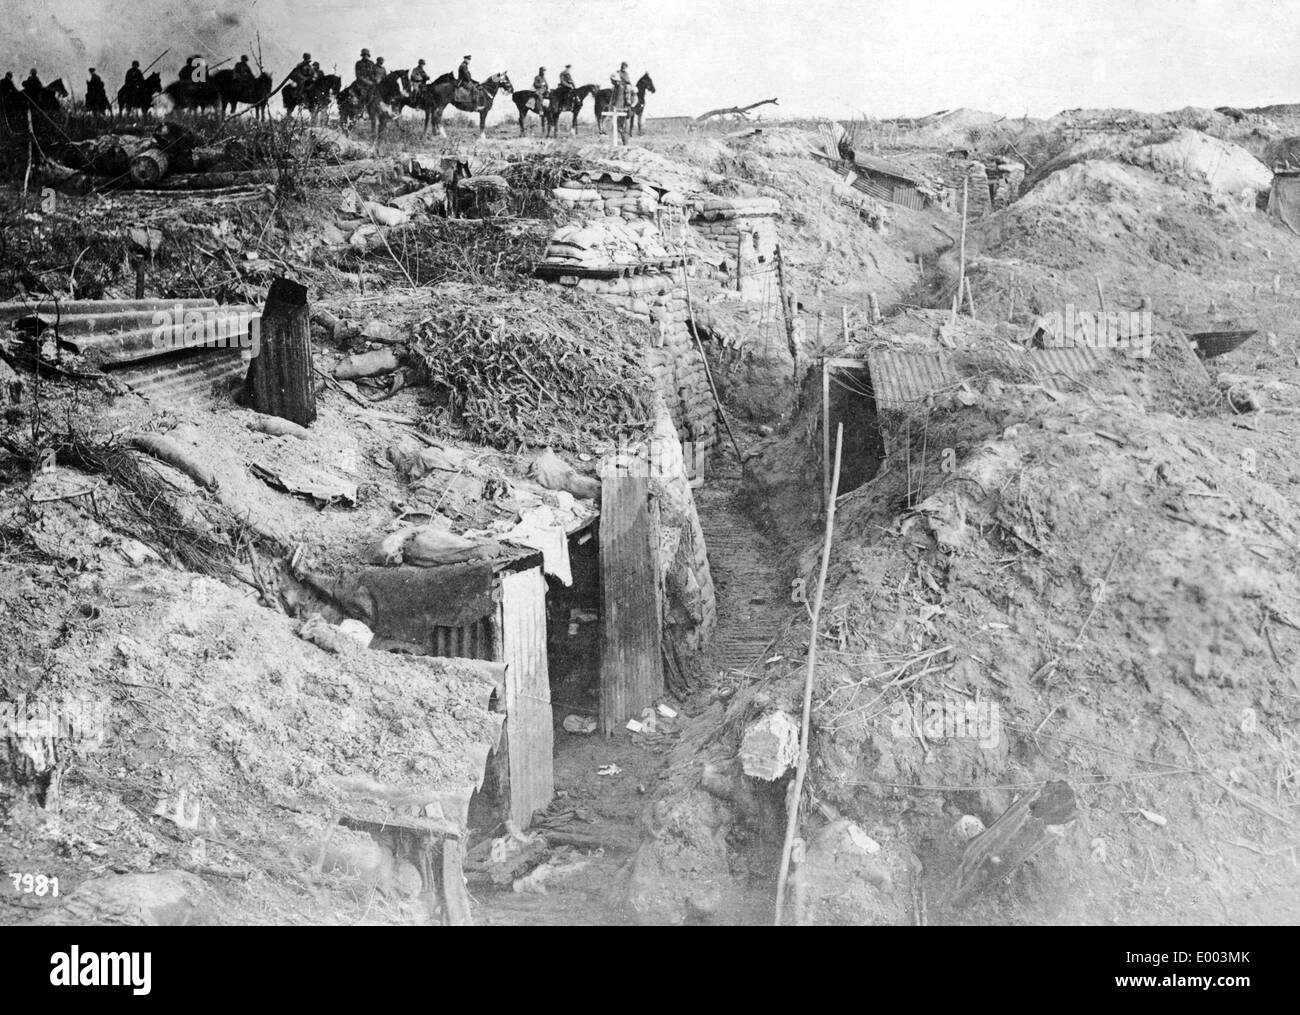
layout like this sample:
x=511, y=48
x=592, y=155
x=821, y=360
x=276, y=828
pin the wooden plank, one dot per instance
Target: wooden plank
x=530, y=733
x=631, y=667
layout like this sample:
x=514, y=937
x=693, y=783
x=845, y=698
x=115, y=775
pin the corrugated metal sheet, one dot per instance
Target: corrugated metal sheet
x=903, y=380
x=880, y=167
x=887, y=188
x=124, y=337
x=530, y=733
x=177, y=380
x=472, y=641
x=631, y=665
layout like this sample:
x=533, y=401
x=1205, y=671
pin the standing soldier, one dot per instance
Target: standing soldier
x=541, y=88
x=364, y=69
x=419, y=78
x=566, y=76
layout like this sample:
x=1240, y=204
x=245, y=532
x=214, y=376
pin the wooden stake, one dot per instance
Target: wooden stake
x=787, y=312
x=821, y=320
x=708, y=374
x=961, y=263
x=970, y=299
x=796, y=787
x=826, y=433
x=1101, y=297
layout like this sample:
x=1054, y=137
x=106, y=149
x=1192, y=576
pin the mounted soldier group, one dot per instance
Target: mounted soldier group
x=375, y=92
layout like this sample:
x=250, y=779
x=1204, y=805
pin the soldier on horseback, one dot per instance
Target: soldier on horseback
x=566, y=76
x=244, y=72
x=200, y=68
x=186, y=73
x=463, y=78
x=134, y=76
x=96, y=95
x=32, y=87
x=7, y=87
x=419, y=78
x=622, y=87
x=364, y=69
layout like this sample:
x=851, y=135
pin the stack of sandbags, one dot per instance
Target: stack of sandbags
x=579, y=197
x=655, y=297
x=603, y=242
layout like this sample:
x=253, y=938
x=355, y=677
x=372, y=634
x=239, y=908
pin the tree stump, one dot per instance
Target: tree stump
x=281, y=379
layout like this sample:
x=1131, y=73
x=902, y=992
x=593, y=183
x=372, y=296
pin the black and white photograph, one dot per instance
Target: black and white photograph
x=649, y=463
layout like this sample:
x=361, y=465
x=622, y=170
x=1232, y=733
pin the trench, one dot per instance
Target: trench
x=754, y=607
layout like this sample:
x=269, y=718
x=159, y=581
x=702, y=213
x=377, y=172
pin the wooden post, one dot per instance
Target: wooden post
x=1101, y=298
x=787, y=312
x=821, y=321
x=281, y=380
x=795, y=790
x=961, y=264
x=139, y=278
x=970, y=298
x=826, y=433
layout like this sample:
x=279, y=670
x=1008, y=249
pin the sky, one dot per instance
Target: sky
x=836, y=58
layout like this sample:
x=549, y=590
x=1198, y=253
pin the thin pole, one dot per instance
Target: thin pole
x=796, y=788
x=961, y=270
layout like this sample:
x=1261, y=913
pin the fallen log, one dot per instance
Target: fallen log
x=1031, y=824
x=149, y=167
x=167, y=450
x=735, y=110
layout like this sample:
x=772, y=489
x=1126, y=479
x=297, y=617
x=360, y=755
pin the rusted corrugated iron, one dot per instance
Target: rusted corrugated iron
x=631, y=665
x=530, y=733
x=177, y=379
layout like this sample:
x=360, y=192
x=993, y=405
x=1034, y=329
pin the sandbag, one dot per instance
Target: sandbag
x=554, y=473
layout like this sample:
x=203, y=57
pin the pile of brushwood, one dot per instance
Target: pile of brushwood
x=536, y=366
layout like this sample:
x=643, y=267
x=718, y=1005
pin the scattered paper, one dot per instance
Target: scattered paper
x=608, y=770
x=667, y=712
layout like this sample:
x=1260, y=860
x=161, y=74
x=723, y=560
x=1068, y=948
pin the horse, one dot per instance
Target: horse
x=191, y=95
x=379, y=102
x=140, y=97
x=315, y=98
x=564, y=99
x=233, y=91
x=97, y=103
x=442, y=92
x=605, y=100
x=524, y=103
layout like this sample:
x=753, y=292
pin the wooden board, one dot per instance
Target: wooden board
x=631, y=665
x=530, y=733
